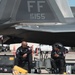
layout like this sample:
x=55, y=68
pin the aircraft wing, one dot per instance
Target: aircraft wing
x=54, y=28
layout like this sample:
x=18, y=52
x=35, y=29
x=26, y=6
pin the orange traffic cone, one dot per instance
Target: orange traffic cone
x=32, y=50
x=36, y=51
x=14, y=50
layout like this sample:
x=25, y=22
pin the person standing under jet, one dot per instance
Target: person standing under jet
x=57, y=55
x=24, y=56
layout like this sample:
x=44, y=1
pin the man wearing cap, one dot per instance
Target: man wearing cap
x=57, y=55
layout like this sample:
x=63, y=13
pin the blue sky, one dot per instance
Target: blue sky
x=72, y=2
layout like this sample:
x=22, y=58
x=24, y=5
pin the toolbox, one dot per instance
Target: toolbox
x=6, y=63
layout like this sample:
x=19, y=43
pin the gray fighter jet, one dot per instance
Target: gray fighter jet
x=40, y=21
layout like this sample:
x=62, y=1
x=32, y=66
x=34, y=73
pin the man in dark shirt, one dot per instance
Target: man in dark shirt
x=24, y=56
x=57, y=55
